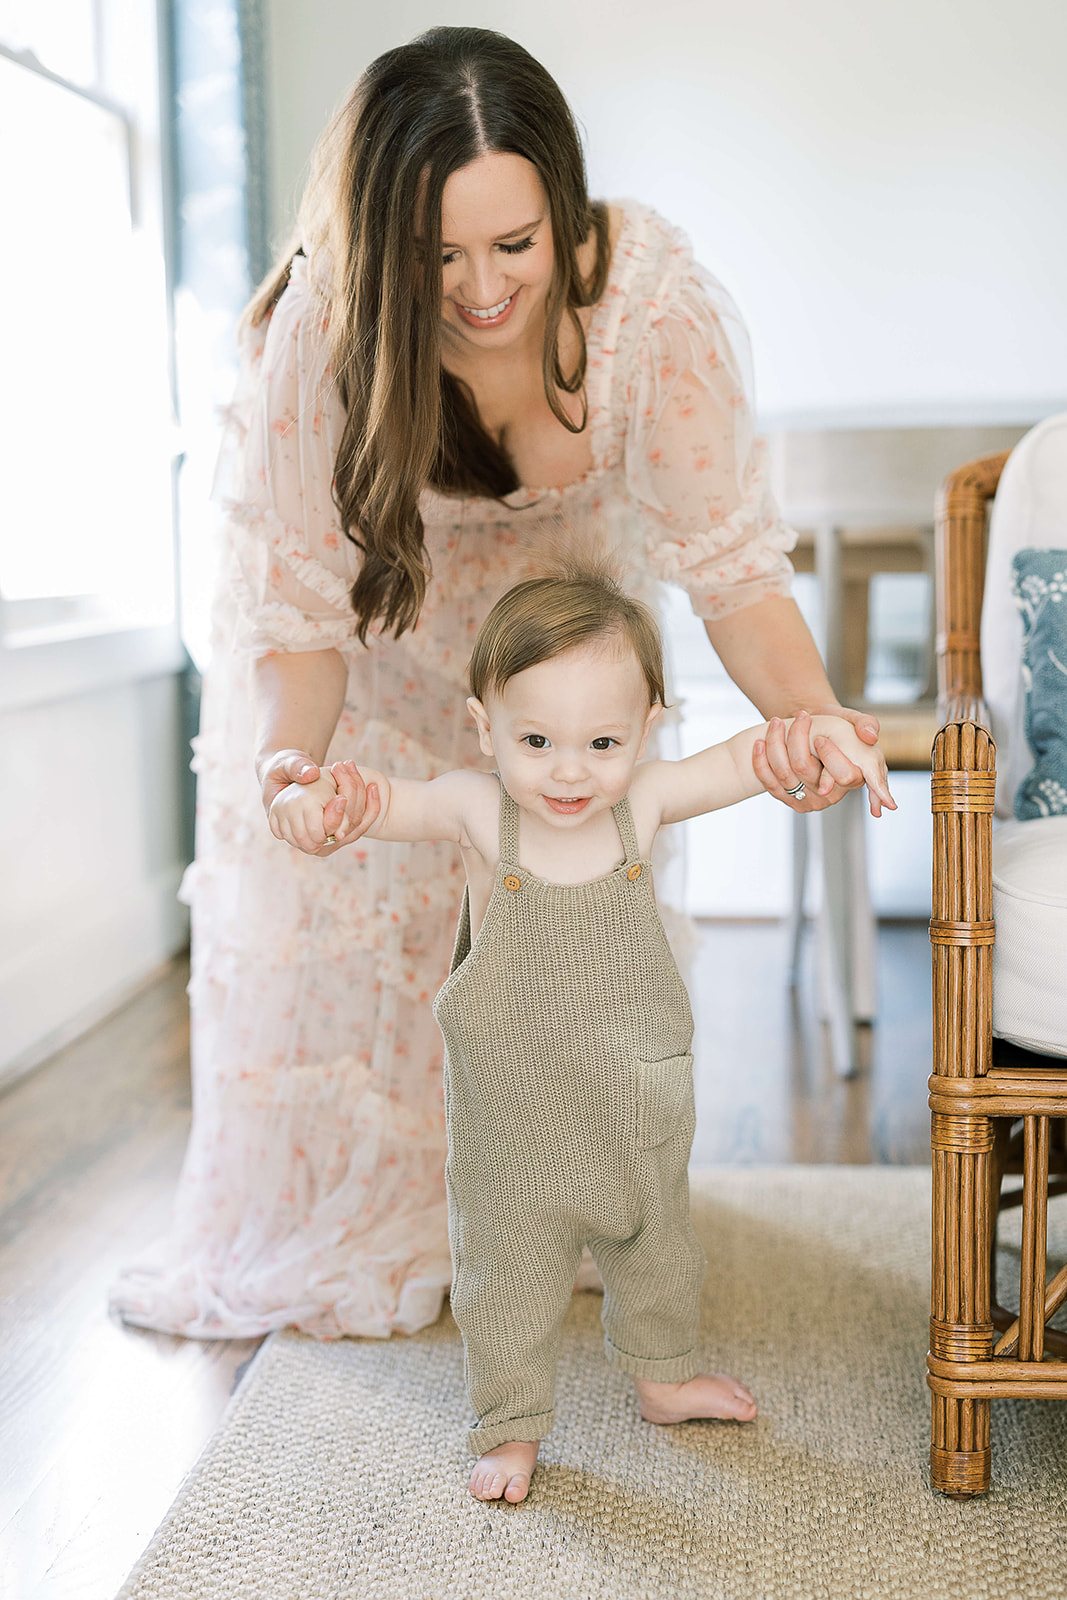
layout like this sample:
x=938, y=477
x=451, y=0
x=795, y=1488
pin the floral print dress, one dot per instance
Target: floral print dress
x=312, y=1192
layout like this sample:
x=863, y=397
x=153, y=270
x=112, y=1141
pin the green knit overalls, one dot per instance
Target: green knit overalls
x=569, y=1097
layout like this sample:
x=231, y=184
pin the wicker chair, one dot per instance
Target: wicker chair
x=982, y=1086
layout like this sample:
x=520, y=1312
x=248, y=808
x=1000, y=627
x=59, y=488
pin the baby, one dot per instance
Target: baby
x=568, y=1031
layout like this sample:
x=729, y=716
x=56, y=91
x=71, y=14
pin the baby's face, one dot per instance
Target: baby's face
x=567, y=734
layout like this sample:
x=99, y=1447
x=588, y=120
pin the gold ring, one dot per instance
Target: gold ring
x=331, y=838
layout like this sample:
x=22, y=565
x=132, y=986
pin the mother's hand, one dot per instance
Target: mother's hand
x=281, y=768
x=353, y=809
x=785, y=759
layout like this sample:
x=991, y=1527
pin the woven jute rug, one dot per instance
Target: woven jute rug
x=340, y=1469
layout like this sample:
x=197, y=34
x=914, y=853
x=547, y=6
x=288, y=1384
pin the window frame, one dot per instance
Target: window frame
x=66, y=651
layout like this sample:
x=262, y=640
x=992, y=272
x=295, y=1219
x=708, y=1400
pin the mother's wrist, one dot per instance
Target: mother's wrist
x=268, y=761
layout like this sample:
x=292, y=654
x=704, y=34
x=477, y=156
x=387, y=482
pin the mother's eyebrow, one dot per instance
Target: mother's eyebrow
x=527, y=227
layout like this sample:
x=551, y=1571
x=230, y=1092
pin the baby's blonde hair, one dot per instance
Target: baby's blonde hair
x=543, y=617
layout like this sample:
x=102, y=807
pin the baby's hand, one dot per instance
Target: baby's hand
x=830, y=735
x=363, y=801
x=306, y=815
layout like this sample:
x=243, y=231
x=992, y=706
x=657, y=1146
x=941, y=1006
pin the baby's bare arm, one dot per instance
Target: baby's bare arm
x=724, y=774
x=408, y=809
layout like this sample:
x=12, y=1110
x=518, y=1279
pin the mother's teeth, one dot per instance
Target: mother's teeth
x=494, y=311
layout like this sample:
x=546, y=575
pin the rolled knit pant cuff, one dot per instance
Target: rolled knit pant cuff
x=526, y=1430
x=666, y=1369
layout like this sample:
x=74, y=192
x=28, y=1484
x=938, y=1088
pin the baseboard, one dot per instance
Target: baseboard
x=56, y=988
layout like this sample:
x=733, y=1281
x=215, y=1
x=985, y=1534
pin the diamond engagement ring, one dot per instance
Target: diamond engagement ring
x=798, y=793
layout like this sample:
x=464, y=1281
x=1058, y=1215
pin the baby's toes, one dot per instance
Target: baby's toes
x=745, y=1406
x=486, y=1484
x=518, y=1488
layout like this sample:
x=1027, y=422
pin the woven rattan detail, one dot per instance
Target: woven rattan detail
x=953, y=1341
x=960, y=1472
x=971, y=1134
x=963, y=791
x=961, y=933
x=957, y=640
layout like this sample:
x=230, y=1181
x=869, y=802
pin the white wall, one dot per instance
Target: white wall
x=881, y=186
x=90, y=858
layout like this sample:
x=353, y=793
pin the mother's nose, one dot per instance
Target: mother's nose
x=483, y=286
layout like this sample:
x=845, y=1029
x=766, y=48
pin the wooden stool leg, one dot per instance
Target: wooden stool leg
x=795, y=924
x=960, y=1325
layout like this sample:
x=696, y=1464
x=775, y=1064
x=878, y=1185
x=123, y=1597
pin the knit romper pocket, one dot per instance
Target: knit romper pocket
x=664, y=1098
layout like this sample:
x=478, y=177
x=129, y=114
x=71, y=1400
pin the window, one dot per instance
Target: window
x=86, y=521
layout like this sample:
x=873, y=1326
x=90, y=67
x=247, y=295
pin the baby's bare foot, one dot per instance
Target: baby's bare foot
x=708, y=1395
x=504, y=1473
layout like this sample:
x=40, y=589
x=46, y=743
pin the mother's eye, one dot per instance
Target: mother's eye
x=452, y=256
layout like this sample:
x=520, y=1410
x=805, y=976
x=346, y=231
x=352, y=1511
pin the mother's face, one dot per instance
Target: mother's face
x=497, y=253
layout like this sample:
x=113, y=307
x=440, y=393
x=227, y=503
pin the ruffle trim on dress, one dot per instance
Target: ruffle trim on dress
x=746, y=546
x=337, y=929
x=199, y=1301
x=324, y=1285
x=289, y=544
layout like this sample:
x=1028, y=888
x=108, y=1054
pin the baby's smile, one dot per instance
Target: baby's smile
x=567, y=806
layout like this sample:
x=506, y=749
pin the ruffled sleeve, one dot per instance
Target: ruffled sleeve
x=693, y=465
x=290, y=567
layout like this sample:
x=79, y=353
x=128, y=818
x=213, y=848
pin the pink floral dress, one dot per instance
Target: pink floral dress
x=313, y=1189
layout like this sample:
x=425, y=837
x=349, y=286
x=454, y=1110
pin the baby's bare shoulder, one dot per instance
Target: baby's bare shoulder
x=475, y=796
x=649, y=789
x=651, y=781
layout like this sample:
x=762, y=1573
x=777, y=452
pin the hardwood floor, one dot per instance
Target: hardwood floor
x=101, y=1422
x=766, y=1091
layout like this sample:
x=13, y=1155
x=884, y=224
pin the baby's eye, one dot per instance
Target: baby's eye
x=536, y=741
x=605, y=742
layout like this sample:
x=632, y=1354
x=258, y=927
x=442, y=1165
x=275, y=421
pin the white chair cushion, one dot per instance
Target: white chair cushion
x=1030, y=509
x=1030, y=953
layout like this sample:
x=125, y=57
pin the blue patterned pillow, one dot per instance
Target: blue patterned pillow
x=1039, y=583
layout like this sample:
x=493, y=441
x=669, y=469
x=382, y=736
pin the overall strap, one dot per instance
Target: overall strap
x=624, y=821
x=509, y=827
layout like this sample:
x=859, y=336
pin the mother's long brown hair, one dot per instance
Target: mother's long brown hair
x=418, y=114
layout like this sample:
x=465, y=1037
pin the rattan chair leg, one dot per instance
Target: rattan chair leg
x=964, y=1172
x=960, y=1326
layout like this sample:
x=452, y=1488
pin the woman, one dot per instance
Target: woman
x=459, y=325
